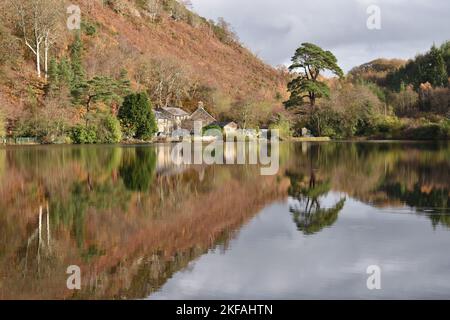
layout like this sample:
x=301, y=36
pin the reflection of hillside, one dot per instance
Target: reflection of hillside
x=110, y=212
x=131, y=226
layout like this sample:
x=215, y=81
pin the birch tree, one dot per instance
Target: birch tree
x=36, y=22
x=154, y=8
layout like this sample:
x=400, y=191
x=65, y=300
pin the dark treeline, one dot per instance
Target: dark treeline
x=432, y=67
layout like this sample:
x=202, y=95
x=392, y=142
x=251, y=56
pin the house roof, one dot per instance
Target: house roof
x=223, y=124
x=161, y=115
x=202, y=115
x=176, y=111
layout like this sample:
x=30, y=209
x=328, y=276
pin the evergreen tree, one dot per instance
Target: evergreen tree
x=65, y=74
x=431, y=67
x=309, y=61
x=53, y=77
x=445, y=48
x=76, y=59
x=137, y=117
x=76, y=64
x=101, y=89
x=436, y=68
x=124, y=82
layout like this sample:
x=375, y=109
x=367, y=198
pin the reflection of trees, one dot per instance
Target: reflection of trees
x=436, y=198
x=138, y=168
x=386, y=174
x=423, y=198
x=308, y=214
x=96, y=190
x=2, y=162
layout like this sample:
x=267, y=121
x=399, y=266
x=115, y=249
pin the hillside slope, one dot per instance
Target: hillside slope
x=124, y=35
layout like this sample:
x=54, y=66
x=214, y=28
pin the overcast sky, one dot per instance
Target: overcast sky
x=273, y=29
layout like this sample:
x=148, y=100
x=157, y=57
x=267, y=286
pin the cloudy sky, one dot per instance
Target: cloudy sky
x=273, y=29
x=271, y=259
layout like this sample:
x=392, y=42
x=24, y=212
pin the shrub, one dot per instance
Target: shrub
x=404, y=102
x=108, y=129
x=48, y=124
x=104, y=128
x=350, y=111
x=394, y=128
x=429, y=131
x=88, y=28
x=283, y=125
x=324, y=121
x=388, y=127
x=84, y=134
x=211, y=127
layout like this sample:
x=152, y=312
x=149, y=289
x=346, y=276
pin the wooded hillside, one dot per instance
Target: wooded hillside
x=160, y=46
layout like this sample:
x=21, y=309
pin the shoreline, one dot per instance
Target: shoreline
x=155, y=143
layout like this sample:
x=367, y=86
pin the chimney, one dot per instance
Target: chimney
x=200, y=105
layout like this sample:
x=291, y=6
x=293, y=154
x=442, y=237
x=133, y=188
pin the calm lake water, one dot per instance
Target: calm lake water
x=140, y=227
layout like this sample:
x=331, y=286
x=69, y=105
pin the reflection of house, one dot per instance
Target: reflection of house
x=171, y=119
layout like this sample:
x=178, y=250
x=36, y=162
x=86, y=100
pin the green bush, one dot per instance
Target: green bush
x=47, y=125
x=105, y=128
x=84, y=134
x=325, y=122
x=88, y=28
x=283, y=125
x=393, y=128
x=108, y=129
x=211, y=127
x=388, y=127
x=429, y=131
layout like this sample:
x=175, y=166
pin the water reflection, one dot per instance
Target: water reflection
x=137, y=169
x=307, y=210
x=131, y=219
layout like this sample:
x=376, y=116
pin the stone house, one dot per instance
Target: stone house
x=170, y=119
x=199, y=116
x=203, y=116
x=229, y=127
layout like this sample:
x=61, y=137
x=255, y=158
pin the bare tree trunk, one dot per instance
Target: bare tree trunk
x=46, y=49
x=37, y=20
x=38, y=59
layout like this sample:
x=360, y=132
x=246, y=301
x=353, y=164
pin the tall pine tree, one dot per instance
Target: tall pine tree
x=78, y=73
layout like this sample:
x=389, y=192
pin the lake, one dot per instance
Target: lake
x=140, y=227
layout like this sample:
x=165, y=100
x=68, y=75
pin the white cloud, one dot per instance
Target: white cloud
x=275, y=28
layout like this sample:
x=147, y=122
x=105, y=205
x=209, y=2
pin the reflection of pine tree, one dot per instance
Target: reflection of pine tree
x=308, y=214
